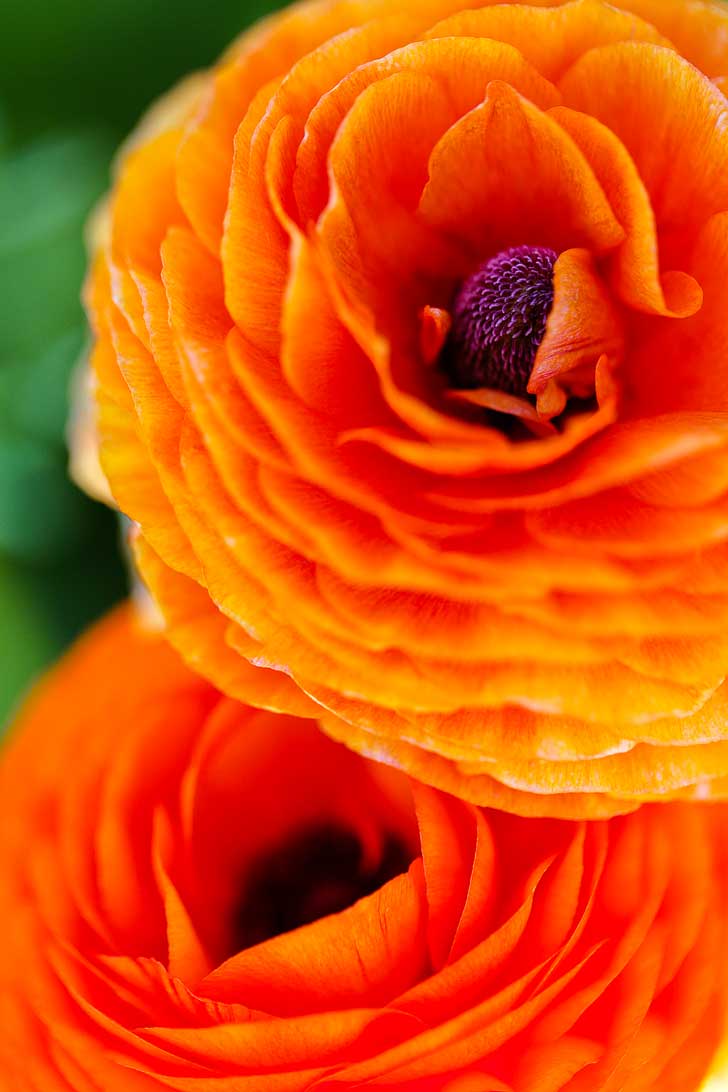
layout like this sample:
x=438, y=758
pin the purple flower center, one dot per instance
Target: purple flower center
x=499, y=319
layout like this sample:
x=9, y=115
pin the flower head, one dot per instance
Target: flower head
x=200, y=895
x=410, y=356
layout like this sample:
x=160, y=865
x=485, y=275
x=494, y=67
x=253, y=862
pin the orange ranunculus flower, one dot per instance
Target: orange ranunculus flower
x=411, y=355
x=205, y=897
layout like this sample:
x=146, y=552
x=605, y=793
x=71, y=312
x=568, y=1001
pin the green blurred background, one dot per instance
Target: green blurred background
x=75, y=75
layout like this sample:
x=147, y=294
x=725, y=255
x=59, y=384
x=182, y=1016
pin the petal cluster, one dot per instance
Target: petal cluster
x=520, y=598
x=143, y=817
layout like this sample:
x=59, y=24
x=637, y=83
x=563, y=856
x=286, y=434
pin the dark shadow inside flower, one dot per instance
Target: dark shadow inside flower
x=316, y=872
x=277, y=844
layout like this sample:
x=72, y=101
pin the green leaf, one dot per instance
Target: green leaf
x=48, y=187
x=26, y=642
x=41, y=512
x=44, y=607
x=46, y=193
x=34, y=393
x=108, y=60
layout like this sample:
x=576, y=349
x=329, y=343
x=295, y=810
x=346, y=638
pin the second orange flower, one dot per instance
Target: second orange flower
x=198, y=896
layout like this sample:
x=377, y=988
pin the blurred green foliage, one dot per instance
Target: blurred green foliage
x=75, y=75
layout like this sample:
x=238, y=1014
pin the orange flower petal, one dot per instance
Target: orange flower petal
x=548, y=953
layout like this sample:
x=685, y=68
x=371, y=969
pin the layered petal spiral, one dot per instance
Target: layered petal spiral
x=205, y=897
x=410, y=358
